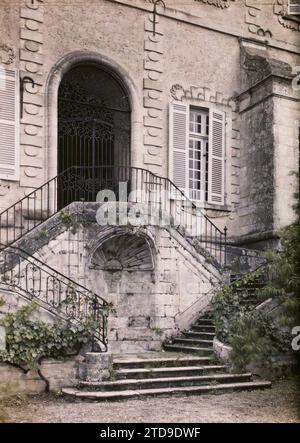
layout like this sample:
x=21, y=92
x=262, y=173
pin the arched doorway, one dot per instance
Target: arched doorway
x=93, y=133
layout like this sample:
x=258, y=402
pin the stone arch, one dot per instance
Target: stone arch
x=123, y=252
x=141, y=238
x=54, y=79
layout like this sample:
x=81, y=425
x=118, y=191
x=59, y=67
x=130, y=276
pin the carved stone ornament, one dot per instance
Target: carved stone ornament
x=223, y=4
x=287, y=21
x=7, y=54
x=177, y=92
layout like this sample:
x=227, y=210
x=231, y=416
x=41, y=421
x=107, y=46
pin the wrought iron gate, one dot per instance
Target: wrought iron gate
x=93, y=129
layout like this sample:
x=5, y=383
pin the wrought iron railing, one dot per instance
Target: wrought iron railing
x=163, y=201
x=36, y=281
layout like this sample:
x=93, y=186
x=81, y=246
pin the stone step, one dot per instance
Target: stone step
x=76, y=394
x=160, y=362
x=164, y=382
x=187, y=349
x=161, y=372
x=203, y=328
x=201, y=335
x=204, y=321
x=193, y=341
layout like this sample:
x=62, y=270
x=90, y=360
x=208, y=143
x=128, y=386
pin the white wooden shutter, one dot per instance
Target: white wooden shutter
x=9, y=124
x=178, y=146
x=216, y=157
x=294, y=7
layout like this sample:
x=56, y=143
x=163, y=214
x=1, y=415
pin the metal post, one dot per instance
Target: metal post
x=225, y=246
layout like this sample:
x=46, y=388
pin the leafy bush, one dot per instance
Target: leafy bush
x=28, y=341
x=230, y=303
x=256, y=336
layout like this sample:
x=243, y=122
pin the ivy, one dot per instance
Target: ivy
x=28, y=341
x=231, y=303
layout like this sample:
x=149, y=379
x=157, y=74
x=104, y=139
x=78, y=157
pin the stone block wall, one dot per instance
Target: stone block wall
x=147, y=304
x=45, y=39
x=59, y=373
x=151, y=300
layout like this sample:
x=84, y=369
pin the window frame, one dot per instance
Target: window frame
x=15, y=175
x=209, y=106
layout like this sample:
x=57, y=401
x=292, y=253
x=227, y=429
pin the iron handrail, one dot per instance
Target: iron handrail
x=83, y=183
x=56, y=291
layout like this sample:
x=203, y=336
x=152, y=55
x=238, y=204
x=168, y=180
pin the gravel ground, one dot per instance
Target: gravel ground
x=279, y=404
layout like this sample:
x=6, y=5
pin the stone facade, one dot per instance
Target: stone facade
x=208, y=64
x=236, y=57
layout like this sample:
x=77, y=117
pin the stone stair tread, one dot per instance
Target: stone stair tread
x=169, y=369
x=188, y=348
x=126, y=381
x=205, y=325
x=209, y=334
x=159, y=360
x=160, y=391
x=194, y=340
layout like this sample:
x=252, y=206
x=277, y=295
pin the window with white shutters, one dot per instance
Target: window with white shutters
x=178, y=144
x=216, y=156
x=9, y=124
x=197, y=152
x=294, y=7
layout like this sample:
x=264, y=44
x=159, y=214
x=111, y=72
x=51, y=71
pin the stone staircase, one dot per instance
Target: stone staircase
x=199, y=339
x=188, y=367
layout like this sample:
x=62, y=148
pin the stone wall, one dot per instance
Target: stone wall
x=147, y=304
x=59, y=373
x=194, y=56
x=152, y=283
x=269, y=113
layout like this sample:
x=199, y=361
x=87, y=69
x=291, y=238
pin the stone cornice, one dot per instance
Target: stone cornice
x=184, y=17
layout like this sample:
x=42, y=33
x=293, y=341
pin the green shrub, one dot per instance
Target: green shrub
x=256, y=336
x=27, y=341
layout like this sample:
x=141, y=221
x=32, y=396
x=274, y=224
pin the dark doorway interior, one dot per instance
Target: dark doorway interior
x=93, y=133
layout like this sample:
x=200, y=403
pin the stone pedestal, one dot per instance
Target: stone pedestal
x=96, y=367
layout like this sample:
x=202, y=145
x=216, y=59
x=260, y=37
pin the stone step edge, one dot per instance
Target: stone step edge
x=159, y=360
x=170, y=369
x=190, y=331
x=76, y=394
x=188, y=348
x=194, y=340
x=211, y=377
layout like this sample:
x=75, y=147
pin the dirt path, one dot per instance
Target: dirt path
x=279, y=404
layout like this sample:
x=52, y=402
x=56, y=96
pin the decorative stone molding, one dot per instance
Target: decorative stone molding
x=287, y=21
x=31, y=64
x=223, y=4
x=153, y=70
x=7, y=54
x=202, y=93
x=253, y=10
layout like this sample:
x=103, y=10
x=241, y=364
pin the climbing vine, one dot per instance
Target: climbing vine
x=257, y=335
x=29, y=341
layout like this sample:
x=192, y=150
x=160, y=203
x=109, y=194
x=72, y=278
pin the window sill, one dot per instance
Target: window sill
x=214, y=207
x=209, y=206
